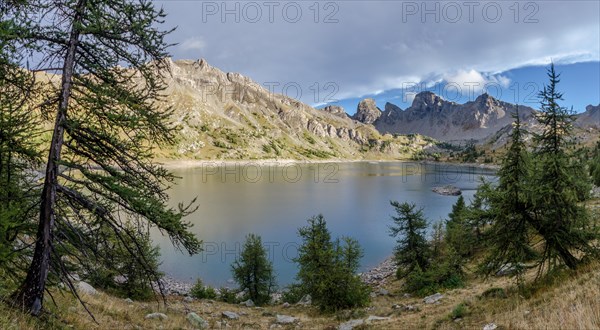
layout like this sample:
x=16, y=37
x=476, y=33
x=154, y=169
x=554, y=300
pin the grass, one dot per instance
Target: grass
x=570, y=303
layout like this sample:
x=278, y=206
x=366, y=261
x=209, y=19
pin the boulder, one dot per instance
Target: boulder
x=306, y=300
x=285, y=319
x=448, y=190
x=248, y=303
x=156, y=316
x=230, y=315
x=196, y=321
x=433, y=298
x=490, y=326
x=86, y=288
x=351, y=324
x=373, y=318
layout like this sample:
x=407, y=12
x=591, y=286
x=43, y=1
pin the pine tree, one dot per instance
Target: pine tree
x=254, y=272
x=108, y=118
x=411, y=251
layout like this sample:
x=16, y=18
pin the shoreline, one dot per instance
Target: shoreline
x=173, y=164
x=374, y=277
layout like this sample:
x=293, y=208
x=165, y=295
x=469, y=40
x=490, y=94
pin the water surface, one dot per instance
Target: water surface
x=273, y=201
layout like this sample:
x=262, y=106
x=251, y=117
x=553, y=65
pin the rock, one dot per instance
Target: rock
x=120, y=279
x=285, y=319
x=128, y=300
x=372, y=294
x=248, y=303
x=367, y=112
x=188, y=299
x=156, y=316
x=285, y=305
x=373, y=318
x=509, y=269
x=433, y=298
x=351, y=324
x=448, y=190
x=383, y=292
x=86, y=288
x=196, y=321
x=230, y=315
x=376, y=276
x=408, y=308
x=490, y=326
x=306, y=300
x=336, y=110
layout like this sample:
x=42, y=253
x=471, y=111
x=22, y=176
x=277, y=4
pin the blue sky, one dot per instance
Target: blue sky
x=348, y=50
x=580, y=83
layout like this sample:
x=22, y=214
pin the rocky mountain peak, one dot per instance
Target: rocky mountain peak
x=428, y=101
x=592, y=109
x=390, y=107
x=336, y=110
x=367, y=111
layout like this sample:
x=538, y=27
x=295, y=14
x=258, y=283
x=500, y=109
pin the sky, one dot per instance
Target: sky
x=338, y=52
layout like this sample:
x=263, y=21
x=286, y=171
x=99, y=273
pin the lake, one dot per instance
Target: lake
x=274, y=200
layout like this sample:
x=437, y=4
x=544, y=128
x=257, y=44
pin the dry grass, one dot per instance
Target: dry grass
x=572, y=302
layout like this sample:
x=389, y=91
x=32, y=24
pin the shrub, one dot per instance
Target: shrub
x=199, y=291
x=461, y=310
x=227, y=295
x=292, y=294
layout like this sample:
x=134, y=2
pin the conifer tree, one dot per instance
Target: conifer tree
x=509, y=238
x=459, y=232
x=254, y=271
x=327, y=269
x=108, y=118
x=556, y=212
x=412, y=251
x=19, y=154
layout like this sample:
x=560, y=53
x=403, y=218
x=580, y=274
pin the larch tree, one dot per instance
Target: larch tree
x=556, y=210
x=19, y=154
x=100, y=181
x=510, y=236
x=412, y=250
x=253, y=271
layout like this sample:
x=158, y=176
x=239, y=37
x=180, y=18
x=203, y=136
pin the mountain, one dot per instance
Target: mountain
x=229, y=116
x=590, y=119
x=433, y=116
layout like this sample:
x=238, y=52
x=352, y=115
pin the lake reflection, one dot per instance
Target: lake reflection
x=273, y=201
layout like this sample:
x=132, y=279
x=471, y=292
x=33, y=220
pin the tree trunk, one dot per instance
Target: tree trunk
x=30, y=295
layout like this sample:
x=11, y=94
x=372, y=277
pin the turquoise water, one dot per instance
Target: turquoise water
x=273, y=201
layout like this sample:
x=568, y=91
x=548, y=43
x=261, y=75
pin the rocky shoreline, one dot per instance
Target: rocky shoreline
x=374, y=277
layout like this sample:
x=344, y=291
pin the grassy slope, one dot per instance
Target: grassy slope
x=571, y=303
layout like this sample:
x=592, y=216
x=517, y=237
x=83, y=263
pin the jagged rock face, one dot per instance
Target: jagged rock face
x=367, y=111
x=433, y=116
x=227, y=115
x=336, y=110
x=590, y=119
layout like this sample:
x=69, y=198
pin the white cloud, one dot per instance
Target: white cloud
x=194, y=43
x=472, y=81
x=372, y=49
